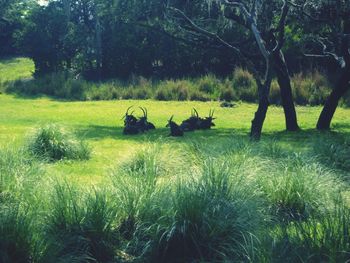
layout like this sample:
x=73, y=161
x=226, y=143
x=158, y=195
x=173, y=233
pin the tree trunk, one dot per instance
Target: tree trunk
x=260, y=114
x=324, y=121
x=283, y=79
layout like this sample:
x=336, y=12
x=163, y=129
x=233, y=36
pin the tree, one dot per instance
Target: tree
x=268, y=37
x=328, y=26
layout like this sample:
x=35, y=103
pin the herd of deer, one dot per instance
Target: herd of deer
x=135, y=125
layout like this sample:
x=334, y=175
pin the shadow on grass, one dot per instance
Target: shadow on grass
x=97, y=132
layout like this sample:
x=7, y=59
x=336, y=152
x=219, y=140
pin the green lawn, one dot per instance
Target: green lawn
x=15, y=68
x=100, y=124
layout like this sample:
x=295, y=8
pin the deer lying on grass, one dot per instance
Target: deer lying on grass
x=197, y=123
x=143, y=123
x=191, y=123
x=130, y=123
x=175, y=130
x=133, y=125
x=207, y=122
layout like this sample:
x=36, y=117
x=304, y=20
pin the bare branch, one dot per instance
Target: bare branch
x=204, y=31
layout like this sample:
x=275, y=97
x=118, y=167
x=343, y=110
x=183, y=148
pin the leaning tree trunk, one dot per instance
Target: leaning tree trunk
x=324, y=121
x=283, y=78
x=260, y=114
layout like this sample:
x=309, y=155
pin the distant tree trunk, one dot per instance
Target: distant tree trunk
x=260, y=114
x=342, y=86
x=98, y=46
x=283, y=79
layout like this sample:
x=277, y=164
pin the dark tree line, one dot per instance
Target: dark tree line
x=174, y=38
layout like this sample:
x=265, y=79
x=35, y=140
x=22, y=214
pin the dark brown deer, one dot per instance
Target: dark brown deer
x=175, y=130
x=130, y=123
x=143, y=123
x=207, y=122
x=191, y=123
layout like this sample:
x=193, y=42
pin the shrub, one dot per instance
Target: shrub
x=199, y=96
x=275, y=96
x=173, y=90
x=54, y=143
x=227, y=94
x=209, y=84
x=310, y=89
x=244, y=84
x=80, y=228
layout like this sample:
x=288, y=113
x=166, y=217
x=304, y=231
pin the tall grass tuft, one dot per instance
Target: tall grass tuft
x=16, y=235
x=209, y=219
x=333, y=151
x=18, y=174
x=297, y=188
x=319, y=239
x=54, y=143
x=80, y=228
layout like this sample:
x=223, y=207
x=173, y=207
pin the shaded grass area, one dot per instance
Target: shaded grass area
x=228, y=201
x=15, y=68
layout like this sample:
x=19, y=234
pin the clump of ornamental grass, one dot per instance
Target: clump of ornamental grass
x=54, y=143
x=318, y=239
x=19, y=173
x=212, y=216
x=333, y=151
x=297, y=187
x=80, y=227
x=16, y=234
x=156, y=159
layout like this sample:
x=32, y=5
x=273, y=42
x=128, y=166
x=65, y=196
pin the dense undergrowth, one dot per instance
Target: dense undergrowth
x=232, y=201
x=311, y=89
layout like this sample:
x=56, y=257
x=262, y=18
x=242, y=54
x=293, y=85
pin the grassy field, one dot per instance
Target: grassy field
x=100, y=124
x=211, y=196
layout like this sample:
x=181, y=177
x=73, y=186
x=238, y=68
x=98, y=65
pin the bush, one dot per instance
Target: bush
x=312, y=89
x=54, y=143
x=244, y=84
x=209, y=84
x=80, y=228
x=275, y=95
x=173, y=90
x=199, y=96
x=227, y=94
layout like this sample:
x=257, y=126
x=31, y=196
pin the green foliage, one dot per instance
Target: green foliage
x=325, y=238
x=16, y=234
x=298, y=189
x=312, y=89
x=211, y=217
x=18, y=174
x=54, y=143
x=80, y=228
x=244, y=83
x=334, y=152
